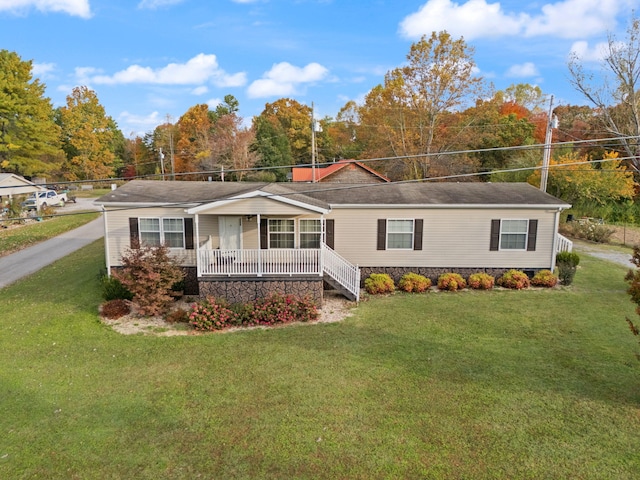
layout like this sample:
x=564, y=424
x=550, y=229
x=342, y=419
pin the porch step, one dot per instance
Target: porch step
x=340, y=288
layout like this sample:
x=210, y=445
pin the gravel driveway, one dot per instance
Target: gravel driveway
x=623, y=259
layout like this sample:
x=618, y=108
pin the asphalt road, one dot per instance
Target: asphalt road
x=25, y=262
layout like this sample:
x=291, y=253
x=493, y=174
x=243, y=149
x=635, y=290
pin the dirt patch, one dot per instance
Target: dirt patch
x=335, y=308
x=625, y=235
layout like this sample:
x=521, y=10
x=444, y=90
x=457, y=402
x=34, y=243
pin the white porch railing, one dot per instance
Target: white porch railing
x=564, y=244
x=280, y=261
x=341, y=270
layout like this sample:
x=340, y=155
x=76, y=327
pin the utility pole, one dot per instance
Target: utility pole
x=313, y=146
x=162, y=163
x=552, y=122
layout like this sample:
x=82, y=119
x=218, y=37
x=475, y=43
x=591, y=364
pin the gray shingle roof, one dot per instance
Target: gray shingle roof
x=324, y=194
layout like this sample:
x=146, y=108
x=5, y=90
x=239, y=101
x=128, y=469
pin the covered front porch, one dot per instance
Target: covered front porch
x=269, y=240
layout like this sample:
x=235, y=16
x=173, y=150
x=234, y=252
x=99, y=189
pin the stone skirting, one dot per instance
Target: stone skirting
x=433, y=273
x=241, y=290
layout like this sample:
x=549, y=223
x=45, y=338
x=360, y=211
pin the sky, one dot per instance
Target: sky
x=149, y=61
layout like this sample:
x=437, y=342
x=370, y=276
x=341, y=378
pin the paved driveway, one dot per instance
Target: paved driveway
x=25, y=262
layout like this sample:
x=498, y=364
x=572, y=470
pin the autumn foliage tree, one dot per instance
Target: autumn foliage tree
x=88, y=137
x=29, y=136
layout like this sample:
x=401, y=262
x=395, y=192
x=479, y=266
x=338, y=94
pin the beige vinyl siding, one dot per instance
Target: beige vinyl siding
x=118, y=227
x=452, y=237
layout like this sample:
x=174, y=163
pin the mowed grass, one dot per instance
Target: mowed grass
x=539, y=384
x=23, y=236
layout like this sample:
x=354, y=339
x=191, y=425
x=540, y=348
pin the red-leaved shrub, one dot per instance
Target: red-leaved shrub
x=515, y=279
x=115, y=308
x=544, y=278
x=481, y=281
x=412, y=282
x=451, y=282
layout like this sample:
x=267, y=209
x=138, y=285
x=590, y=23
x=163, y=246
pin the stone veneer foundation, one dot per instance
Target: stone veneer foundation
x=247, y=289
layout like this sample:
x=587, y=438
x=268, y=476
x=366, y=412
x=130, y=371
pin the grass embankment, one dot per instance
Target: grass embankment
x=23, y=236
x=478, y=385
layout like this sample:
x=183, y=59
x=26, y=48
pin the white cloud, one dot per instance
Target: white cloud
x=523, y=70
x=479, y=19
x=284, y=78
x=200, y=90
x=76, y=8
x=137, y=124
x=42, y=69
x=153, y=4
x=198, y=70
x=582, y=51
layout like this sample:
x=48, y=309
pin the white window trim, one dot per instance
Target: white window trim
x=295, y=236
x=413, y=233
x=319, y=233
x=526, y=234
x=161, y=222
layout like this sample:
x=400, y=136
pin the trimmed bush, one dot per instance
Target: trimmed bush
x=116, y=308
x=113, y=289
x=216, y=314
x=378, y=283
x=412, y=282
x=481, y=281
x=451, y=282
x=567, y=263
x=544, y=278
x=515, y=279
x=211, y=314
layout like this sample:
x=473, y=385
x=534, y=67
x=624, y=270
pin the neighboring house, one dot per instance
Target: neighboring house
x=12, y=184
x=243, y=240
x=343, y=171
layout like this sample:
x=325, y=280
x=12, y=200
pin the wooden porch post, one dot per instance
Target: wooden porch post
x=198, y=266
x=259, y=247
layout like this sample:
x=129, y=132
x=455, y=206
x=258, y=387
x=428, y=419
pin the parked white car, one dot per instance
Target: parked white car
x=45, y=198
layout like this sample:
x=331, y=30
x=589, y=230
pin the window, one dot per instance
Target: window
x=310, y=233
x=167, y=231
x=400, y=234
x=281, y=233
x=513, y=234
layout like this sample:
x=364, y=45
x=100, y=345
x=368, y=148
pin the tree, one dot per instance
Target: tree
x=193, y=147
x=88, y=137
x=29, y=137
x=271, y=146
x=576, y=179
x=633, y=279
x=617, y=94
x=408, y=111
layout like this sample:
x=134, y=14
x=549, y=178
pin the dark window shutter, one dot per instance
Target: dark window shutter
x=188, y=233
x=134, y=236
x=531, y=237
x=264, y=234
x=417, y=234
x=495, y=236
x=382, y=234
x=329, y=232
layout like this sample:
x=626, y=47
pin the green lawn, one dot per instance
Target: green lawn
x=540, y=384
x=24, y=236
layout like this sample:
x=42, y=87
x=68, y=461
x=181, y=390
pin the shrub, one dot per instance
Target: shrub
x=149, y=273
x=211, y=314
x=515, y=279
x=451, y=282
x=412, y=282
x=481, y=281
x=283, y=309
x=115, y=308
x=113, y=289
x=379, y=283
x=544, y=278
x=586, y=230
x=567, y=263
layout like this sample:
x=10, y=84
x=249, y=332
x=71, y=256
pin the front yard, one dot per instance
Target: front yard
x=504, y=384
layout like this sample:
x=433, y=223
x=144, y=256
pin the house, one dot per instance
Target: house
x=243, y=240
x=12, y=184
x=343, y=171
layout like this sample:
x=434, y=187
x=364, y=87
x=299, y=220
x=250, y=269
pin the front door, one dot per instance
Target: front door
x=230, y=232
